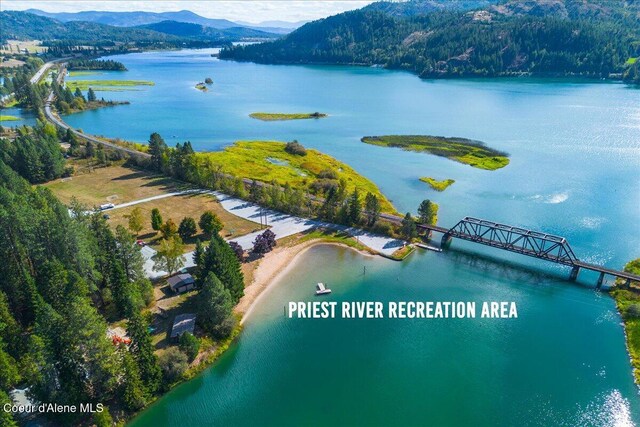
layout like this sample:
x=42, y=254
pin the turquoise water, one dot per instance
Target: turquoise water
x=575, y=151
x=27, y=117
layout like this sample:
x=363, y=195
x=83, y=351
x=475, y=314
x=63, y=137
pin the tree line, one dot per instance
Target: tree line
x=450, y=44
x=64, y=276
x=96, y=64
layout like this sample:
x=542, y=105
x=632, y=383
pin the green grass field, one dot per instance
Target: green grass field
x=437, y=185
x=270, y=117
x=467, y=151
x=107, y=84
x=8, y=118
x=267, y=161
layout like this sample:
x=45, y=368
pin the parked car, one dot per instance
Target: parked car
x=141, y=243
x=107, y=206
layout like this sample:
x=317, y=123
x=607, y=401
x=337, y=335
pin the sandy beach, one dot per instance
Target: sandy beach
x=272, y=268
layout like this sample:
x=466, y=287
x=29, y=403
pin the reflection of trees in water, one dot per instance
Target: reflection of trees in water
x=507, y=269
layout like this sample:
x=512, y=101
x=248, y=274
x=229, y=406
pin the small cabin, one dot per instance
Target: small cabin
x=181, y=283
x=183, y=323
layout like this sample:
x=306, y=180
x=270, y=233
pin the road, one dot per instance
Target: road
x=45, y=67
x=56, y=121
x=281, y=224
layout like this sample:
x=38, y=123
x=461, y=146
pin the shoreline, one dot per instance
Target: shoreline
x=268, y=275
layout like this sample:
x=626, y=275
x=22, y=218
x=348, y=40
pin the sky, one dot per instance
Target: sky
x=244, y=10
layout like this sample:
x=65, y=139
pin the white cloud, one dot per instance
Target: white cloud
x=247, y=10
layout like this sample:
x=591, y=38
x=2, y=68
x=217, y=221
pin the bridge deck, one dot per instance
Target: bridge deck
x=605, y=270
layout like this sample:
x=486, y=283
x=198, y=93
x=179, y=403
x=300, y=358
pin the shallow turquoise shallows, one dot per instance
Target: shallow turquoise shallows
x=575, y=152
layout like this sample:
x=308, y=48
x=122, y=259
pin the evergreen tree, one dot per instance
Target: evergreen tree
x=409, y=230
x=210, y=223
x=157, y=150
x=355, y=208
x=215, y=306
x=78, y=94
x=156, y=219
x=91, y=95
x=187, y=228
x=199, y=258
x=129, y=254
x=142, y=350
x=221, y=260
x=372, y=209
x=132, y=389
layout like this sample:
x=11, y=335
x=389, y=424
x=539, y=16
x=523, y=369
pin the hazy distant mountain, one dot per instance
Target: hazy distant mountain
x=201, y=32
x=279, y=27
x=136, y=19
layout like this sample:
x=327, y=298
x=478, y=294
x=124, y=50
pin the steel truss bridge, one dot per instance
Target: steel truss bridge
x=522, y=241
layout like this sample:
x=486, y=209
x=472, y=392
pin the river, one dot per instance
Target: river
x=575, y=150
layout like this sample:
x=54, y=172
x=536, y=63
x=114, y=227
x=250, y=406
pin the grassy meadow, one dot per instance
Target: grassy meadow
x=469, y=152
x=268, y=161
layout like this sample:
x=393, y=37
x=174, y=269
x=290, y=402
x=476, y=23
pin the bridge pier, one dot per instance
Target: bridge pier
x=574, y=273
x=627, y=284
x=446, y=241
x=600, y=280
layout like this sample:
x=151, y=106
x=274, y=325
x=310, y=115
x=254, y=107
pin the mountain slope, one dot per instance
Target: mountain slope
x=544, y=37
x=200, y=32
x=21, y=26
x=423, y=7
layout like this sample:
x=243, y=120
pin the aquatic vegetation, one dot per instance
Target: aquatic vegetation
x=8, y=118
x=467, y=151
x=268, y=117
x=107, y=84
x=437, y=185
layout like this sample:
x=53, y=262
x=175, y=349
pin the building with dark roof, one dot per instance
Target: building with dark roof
x=181, y=283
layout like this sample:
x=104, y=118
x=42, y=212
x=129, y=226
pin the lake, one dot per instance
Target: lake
x=574, y=147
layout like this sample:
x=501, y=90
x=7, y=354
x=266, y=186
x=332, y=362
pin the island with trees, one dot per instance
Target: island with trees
x=95, y=64
x=437, y=185
x=271, y=117
x=467, y=151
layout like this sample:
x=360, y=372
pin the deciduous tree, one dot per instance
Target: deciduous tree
x=169, y=256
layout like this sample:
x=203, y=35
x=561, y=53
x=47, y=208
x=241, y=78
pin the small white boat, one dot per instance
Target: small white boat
x=321, y=289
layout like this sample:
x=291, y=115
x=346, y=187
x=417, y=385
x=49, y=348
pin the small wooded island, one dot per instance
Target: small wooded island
x=268, y=117
x=467, y=151
x=437, y=185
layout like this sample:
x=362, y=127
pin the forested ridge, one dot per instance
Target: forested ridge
x=67, y=277
x=594, y=38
